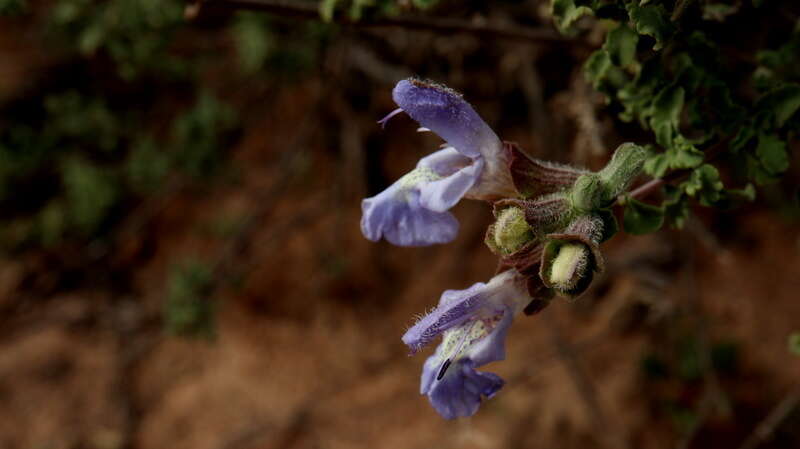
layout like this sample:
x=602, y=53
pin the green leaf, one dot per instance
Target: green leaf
x=621, y=45
x=666, y=113
x=596, y=67
x=783, y=102
x=676, y=206
x=771, y=151
x=657, y=165
x=743, y=137
x=705, y=184
x=757, y=172
x=733, y=198
x=651, y=20
x=794, y=343
x=566, y=12
x=684, y=154
x=642, y=218
x=748, y=193
x=680, y=156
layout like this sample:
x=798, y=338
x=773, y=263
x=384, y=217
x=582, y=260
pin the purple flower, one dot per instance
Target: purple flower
x=413, y=210
x=473, y=324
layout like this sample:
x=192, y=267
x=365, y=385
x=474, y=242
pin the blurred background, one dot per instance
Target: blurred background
x=181, y=263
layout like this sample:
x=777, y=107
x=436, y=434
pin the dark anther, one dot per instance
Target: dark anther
x=445, y=365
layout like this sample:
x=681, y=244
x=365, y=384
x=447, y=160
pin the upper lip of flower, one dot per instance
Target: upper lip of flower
x=444, y=112
x=457, y=307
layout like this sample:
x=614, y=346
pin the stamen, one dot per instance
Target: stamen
x=443, y=369
x=386, y=119
x=463, y=339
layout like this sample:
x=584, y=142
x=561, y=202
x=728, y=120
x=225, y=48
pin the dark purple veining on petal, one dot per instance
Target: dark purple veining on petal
x=455, y=308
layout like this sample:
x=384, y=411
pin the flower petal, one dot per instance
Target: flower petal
x=443, y=194
x=500, y=299
x=446, y=113
x=445, y=162
x=396, y=215
x=492, y=347
x=455, y=307
x=460, y=391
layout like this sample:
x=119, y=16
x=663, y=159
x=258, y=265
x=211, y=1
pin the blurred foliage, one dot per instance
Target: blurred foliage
x=134, y=33
x=254, y=41
x=90, y=193
x=100, y=159
x=197, y=133
x=357, y=9
x=676, y=372
x=189, y=308
x=272, y=49
x=146, y=166
x=12, y=7
x=121, y=114
x=794, y=343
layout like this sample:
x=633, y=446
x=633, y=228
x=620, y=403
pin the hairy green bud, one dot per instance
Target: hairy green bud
x=511, y=231
x=588, y=193
x=624, y=166
x=570, y=259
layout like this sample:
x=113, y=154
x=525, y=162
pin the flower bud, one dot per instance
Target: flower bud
x=624, y=166
x=570, y=259
x=511, y=231
x=544, y=214
x=569, y=264
x=588, y=193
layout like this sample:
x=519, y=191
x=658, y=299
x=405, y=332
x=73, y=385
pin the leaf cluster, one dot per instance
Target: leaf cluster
x=672, y=79
x=135, y=34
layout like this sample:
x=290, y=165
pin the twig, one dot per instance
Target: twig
x=308, y=11
x=770, y=424
x=644, y=190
